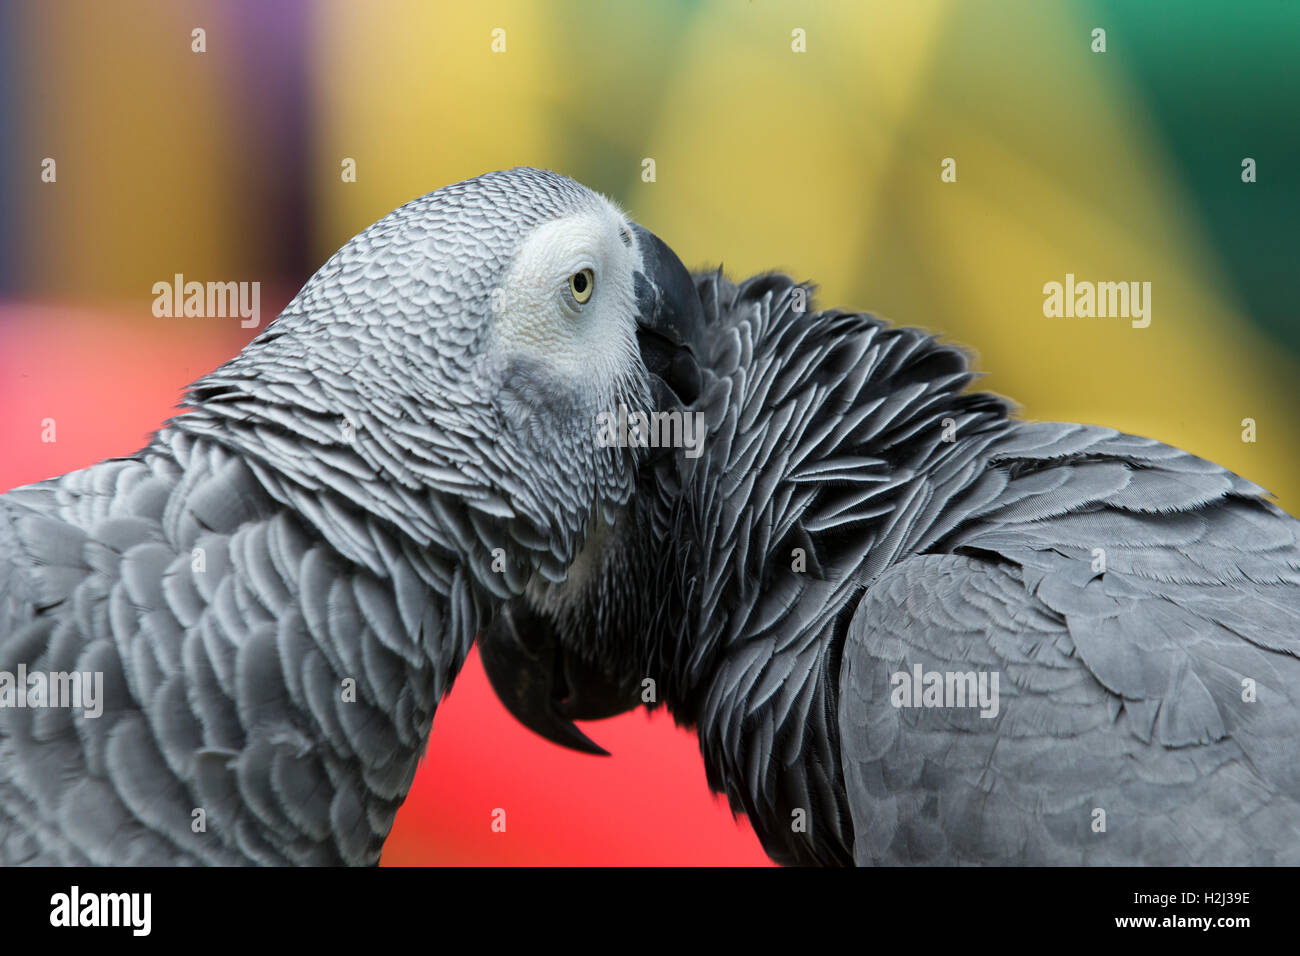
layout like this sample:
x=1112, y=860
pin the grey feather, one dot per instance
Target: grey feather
x=231, y=580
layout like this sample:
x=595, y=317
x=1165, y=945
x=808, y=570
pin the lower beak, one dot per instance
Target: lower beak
x=545, y=688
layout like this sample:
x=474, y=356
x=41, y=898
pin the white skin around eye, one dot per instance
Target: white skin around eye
x=535, y=311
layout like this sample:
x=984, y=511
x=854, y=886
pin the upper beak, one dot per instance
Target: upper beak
x=670, y=327
x=545, y=688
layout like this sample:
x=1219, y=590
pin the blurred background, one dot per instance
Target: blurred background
x=226, y=164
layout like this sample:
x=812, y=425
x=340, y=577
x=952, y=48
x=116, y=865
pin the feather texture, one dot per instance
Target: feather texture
x=905, y=522
x=279, y=589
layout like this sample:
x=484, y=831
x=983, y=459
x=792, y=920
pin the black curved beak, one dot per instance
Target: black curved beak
x=543, y=687
x=671, y=325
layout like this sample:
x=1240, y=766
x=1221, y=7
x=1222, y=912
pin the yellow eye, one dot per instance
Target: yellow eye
x=581, y=284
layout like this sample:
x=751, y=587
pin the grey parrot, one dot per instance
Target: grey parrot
x=912, y=629
x=276, y=592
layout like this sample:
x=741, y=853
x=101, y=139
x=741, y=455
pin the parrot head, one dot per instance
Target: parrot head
x=446, y=368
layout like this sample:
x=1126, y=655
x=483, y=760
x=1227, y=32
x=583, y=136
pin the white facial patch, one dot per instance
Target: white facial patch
x=535, y=311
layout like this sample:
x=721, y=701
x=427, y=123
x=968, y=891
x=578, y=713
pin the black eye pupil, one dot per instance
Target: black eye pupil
x=580, y=283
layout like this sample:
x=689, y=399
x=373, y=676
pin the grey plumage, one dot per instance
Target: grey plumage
x=1162, y=691
x=279, y=589
x=858, y=512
